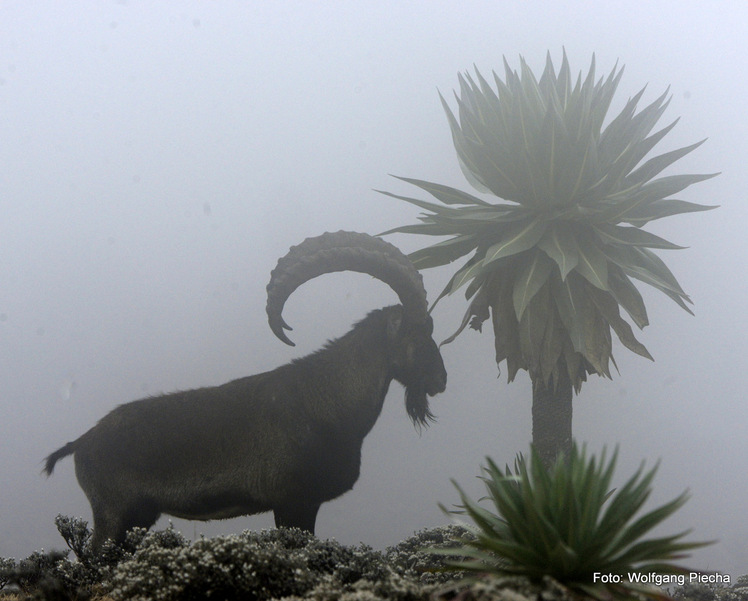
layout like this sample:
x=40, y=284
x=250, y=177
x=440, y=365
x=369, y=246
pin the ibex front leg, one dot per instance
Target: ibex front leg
x=296, y=516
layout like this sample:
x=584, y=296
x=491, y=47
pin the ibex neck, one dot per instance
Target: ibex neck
x=355, y=375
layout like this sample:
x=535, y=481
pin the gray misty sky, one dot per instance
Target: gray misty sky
x=157, y=158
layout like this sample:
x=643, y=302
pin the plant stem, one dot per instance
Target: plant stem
x=551, y=417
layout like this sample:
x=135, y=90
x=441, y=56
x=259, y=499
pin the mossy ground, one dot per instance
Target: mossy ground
x=283, y=565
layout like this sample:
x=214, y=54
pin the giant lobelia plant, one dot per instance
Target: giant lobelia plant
x=552, y=262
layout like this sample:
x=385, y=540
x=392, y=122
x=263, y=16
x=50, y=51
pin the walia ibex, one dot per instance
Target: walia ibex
x=286, y=440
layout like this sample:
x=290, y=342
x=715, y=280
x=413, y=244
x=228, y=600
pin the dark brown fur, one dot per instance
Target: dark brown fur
x=285, y=441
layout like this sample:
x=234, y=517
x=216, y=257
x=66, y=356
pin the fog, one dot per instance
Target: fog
x=157, y=158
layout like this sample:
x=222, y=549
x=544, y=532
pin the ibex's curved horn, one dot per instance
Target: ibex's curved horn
x=344, y=251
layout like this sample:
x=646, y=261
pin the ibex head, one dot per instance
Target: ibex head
x=415, y=360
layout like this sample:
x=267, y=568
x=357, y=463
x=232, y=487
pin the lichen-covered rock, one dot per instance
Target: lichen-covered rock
x=713, y=592
x=418, y=557
x=509, y=589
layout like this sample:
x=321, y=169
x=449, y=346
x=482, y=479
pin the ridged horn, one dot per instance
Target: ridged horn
x=344, y=251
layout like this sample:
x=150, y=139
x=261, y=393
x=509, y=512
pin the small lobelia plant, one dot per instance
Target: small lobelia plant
x=568, y=524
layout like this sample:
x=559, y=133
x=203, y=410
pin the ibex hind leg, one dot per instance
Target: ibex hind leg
x=296, y=516
x=113, y=523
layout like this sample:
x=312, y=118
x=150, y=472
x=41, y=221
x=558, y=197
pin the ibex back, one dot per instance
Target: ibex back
x=286, y=440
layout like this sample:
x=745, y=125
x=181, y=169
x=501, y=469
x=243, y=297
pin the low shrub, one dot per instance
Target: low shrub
x=283, y=563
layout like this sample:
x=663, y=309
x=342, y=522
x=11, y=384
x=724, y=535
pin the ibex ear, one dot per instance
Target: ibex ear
x=394, y=321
